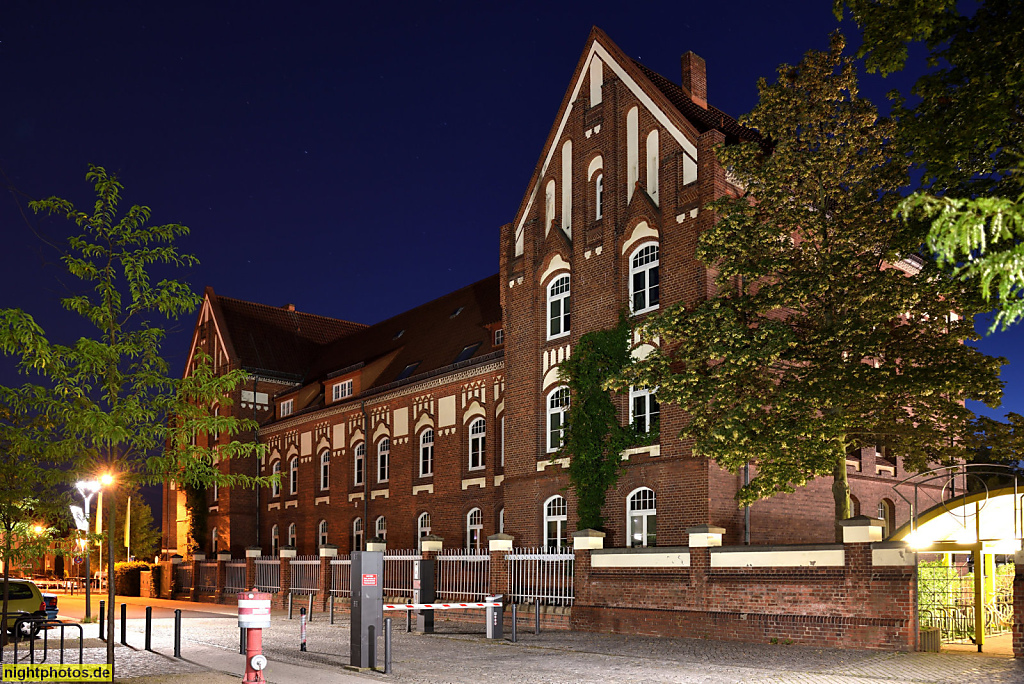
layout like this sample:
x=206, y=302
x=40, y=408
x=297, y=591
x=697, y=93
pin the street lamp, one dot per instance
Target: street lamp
x=86, y=488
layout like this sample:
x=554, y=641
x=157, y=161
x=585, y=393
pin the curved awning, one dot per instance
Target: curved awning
x=993, y=518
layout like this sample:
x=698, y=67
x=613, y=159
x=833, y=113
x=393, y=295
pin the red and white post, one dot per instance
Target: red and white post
x=254, y=616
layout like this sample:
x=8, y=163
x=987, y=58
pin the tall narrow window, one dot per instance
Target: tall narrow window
x=501, y=521
x=503, y=441
x=357, y=534
x=293, y=476
x=427, y=453
x=325, y=470
x=214, y=433
x=567, y=187
x=275, y=489
x=213, y=541
x=558, y=307
x=644, y=281
x=321, y=532
x=642, y=517
x=652, y=165
x=275, y=541
x=599, y=196
x=477, y=443
x=382, y=528
x=886, y=513
x=558, y=411
x=549, y=206
x=360, y=460
x=644, y=410
x=216, y=491
x=291, y=535
x=632, y=152
x=422, y=528
x=555, y=511
x=383, y=455
x=474, y=528
x=596, y=80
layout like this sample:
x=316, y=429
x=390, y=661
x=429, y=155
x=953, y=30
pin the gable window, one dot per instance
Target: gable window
x=474, y=528
x=383, y=454
x=214, y=433
x=427, y=453
x=321, y=532
x=341, y=390
x=360, y=458
x=382, y=528
x=599, y=197
x=357, y=534
x=558, y=411
x=642, y=517
x=287, y=406
x=275, y=489
x=293, y=476
x=422, y=528
x=275, y=541
x=644, y=280
x=499, y=337
x=558, y=307
x=652, y=165
x=325, y=470
x=644, y=409
x=291, y=535
x=555, y=511
x=477, y=443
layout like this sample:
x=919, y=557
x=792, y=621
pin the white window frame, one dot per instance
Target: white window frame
x=478, y=444
x=357, y=534
x=559, y=291
x=275, y=469
x=501, y=521
x=293, y=476
x=474, y=523
x=321, y=532
x=649, y=401
x=275, y=541
x=216, y=490
x=293, y=535
x=427, y=453
x=325, y=470
x=557, y=402
x=287, y=407
x=599, y=197
x=555, y=510
x=644, y=514
x=644, y=261
x=359, y=463
x=214, y=433
x=422, y=528
x=383, y=459
x=499, y=337
x=341, y=390
x=380, y=528
x=213, y=541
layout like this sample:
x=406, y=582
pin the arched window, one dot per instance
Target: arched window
x=215, y=433
x=293, y=476
x=642, y=517
x=644, y=409
x=321, y=532
x=325, y=470
x=213, y=540
x=360, y=459
x=426, y=453
x=216, y=490
x=477, y=443
x=558, y=307
x=275, y=541
x=382, y=528
x=474, y=528
x=599, y=197
x=291, y=535
x=357, y=534
x=422, y=526
x=555, y=511
x=501, y=521
x=383, y=454
x=275, y=489
x=886, y=513
x=644, y=281
x=558, y=411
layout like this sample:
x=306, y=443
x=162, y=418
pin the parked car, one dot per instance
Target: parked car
x=24, y=598
x=51, y=605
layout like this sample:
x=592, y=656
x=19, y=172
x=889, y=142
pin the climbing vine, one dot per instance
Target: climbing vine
x=594, y=439
x=195, y=502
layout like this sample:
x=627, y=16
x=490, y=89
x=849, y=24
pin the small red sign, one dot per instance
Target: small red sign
x=369, y=580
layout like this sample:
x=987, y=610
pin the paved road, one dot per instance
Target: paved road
x=73, y=608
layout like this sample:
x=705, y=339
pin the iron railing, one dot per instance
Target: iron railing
x=234, y=576
x=398, y=571
x=341, y=572
x=463, y=574
x=541, y=574
x=268, y=574
x=305, y=574
x=206, y=582
x=183, y=573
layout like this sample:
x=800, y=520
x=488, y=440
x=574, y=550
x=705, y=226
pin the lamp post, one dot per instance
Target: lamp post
x=86, y=488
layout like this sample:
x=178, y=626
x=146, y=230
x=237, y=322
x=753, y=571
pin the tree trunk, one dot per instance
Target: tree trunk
x=840, y=492
x=110, y=582
x=6, y=589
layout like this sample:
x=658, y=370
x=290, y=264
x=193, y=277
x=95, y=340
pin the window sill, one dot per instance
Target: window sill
x=559, y=335
x=648, y=310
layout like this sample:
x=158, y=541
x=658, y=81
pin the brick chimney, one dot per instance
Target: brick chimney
x=695, y=80
x=289, y=307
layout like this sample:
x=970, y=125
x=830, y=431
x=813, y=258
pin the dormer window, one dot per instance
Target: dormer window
x=467, y=352
x=287, y=407
x=499, y=337
x=341, y=390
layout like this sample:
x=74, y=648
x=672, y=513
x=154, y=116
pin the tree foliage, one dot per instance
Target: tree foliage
x=816, y=344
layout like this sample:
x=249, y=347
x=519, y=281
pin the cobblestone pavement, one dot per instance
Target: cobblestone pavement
x=458, y=653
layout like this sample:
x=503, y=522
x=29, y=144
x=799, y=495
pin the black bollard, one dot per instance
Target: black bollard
x=536, y=617
x=241, y=640
x=309, y=611
x=514, y=621
x=387, y=645
x=177, y=632
x=149, y=628
x=332, y=609
x=124, y=624
x=103, y=620
x=289, y=605
x=408, y=621
x=302, y=628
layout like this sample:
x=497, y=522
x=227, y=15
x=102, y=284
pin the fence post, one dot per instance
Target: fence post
x=173, y=581
x=222, y=574
x=327, y=553
x=197, y=558
x=583, y=542
x=251, y=554
x=499, y=545
x=286, y=554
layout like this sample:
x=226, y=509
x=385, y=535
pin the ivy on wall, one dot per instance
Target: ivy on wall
x=195, y=502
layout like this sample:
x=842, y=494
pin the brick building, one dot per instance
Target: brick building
x=462, y=396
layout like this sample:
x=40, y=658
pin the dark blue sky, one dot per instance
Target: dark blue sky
x=353, y=159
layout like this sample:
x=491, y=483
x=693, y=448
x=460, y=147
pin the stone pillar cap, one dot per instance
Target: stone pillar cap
x=861, y=521
x=589, y=533
x=199, y=556
x=431, y=537
x=501, y=536
x=223, y=555
x=705, y=529
x=176, y=558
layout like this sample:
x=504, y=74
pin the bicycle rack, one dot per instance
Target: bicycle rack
x=43, y=625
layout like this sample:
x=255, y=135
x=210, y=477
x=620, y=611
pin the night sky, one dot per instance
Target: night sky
x=355, y=159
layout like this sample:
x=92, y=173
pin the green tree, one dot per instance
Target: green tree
x=114, y=389
x=828, y=332
x=143, y=535
x=964, y=129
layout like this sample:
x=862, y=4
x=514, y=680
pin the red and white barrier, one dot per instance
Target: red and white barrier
x=439, y=606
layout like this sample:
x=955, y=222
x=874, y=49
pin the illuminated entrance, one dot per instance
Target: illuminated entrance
x=966, y=523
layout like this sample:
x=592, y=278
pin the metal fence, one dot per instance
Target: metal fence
x=341, y=572
x=206, y=582
x=305, y=574
x=398, y=569
x=463, y=574
x=541, y=574
x=268, y=574
x=183, y=573
x=234, y=579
